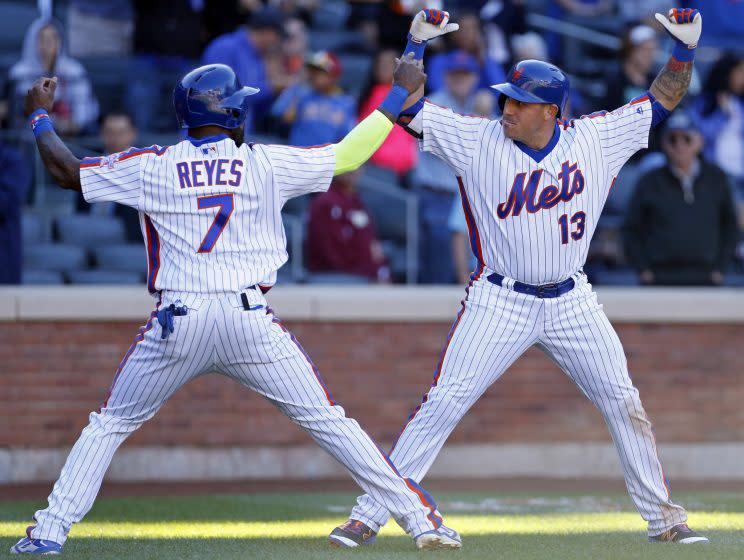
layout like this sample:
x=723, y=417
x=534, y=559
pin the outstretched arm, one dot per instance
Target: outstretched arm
x=364, y=139
x=63, y=166
x=670, y=86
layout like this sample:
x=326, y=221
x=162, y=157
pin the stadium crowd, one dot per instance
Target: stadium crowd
x=674, y=217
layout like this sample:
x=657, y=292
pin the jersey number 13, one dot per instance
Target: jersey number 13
x=578, y=220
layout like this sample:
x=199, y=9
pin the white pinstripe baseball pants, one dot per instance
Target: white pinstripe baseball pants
x=252, y=348
x=494, y=328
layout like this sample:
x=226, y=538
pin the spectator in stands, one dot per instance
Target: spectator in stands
x=341, y=236
x=14, y=182
x=167, y=38
x=399, y=151
x=98, y=28
x=291, y=71
x=435, y=183
x=470, y=39
x=637, y=66
x=117, y=134
x=246, y=50
x=502, y=20
x=45, y=54
x=318, y=112
x=720, y=114
x=681, y=225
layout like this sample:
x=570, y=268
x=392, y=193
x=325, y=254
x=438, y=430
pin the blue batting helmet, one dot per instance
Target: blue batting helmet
x=211, y=94
x=534, y=81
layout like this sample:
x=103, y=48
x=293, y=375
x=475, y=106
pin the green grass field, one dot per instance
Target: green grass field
x=295, y=526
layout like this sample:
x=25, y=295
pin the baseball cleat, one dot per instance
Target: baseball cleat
x=444, y=537
x=29, y=545
x=680, y=534
x=351, y=534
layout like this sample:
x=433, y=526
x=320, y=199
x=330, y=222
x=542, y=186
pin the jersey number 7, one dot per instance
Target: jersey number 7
x=226, y=204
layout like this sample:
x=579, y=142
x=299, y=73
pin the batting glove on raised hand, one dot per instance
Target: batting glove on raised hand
x=685, y=25
x=430, y=23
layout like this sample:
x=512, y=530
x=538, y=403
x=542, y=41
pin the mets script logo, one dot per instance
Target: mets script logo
x=521, y=195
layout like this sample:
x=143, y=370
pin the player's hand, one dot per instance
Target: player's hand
x=414, y=97
x=717, y=277
x=647, y=277
x=685, y=25
x=40, y=96
x=409, y=74
x=430, y=23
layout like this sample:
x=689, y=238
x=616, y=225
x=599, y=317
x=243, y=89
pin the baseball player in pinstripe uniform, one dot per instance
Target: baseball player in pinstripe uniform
x=210, y=212
x=533, y=187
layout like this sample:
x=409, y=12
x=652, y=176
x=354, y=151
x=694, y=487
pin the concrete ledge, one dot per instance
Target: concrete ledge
x=721, y=461
x=367, y=303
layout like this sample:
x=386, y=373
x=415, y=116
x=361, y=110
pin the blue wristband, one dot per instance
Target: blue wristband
x=414, y=109
x=682, y=52
x=415, y=47
x=395, y=99
x=40, y=122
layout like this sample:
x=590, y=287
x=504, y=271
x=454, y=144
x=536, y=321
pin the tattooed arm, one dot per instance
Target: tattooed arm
x=63, y=166
x=670, y=86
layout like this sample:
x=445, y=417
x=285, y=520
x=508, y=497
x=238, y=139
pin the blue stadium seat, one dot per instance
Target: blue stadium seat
x=109, y=77
x=90, y=231
x=387, y=205
x=54, y=256
x=129, y=257
x=32, y=228
x=15, y=20
x=34, y=276
x=355, y=72
x=100, y=276
x=330, y=15
x=337, y=41
x=617, y=277
x=335, y=278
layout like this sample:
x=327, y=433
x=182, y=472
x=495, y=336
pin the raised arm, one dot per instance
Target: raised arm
x=670, y=86
x=364, y=139
x=63, y=166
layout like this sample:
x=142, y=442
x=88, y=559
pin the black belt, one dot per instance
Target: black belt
x=543, y=291
x=244, y=299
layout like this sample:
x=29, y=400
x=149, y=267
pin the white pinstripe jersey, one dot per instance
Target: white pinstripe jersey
x=533, y=220
x=210, y=211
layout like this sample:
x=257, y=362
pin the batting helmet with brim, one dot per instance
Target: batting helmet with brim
x=535, y=81
x=213, y=95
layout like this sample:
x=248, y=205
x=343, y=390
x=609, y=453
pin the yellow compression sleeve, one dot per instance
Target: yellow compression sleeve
x=361, y=142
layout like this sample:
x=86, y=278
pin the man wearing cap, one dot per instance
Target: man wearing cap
x=318, y=112
x=434, y=180
x=681, y=227
x=244, y=50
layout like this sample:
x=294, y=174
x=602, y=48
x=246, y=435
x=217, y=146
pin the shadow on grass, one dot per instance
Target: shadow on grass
x=606, y=546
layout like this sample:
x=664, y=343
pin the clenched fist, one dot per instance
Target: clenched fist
x=40, y=96
x=430, y=23
x=409, y=74
x=684, y=25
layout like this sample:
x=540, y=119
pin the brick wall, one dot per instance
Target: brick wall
x=53, y=373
